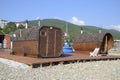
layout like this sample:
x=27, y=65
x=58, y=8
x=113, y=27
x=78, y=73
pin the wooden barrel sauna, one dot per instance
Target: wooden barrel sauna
x=88, y=42
x=45, y=41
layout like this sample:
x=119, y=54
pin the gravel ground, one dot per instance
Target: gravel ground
x=96, y=70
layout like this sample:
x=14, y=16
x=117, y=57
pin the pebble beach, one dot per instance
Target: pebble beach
x=93, y=70
x=96, y=70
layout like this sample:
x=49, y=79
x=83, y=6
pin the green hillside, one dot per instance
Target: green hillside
x=73, y=30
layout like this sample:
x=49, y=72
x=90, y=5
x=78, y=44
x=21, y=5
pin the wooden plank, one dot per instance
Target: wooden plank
x=61, y=60
x=50, y=64
x=55, y=44
x=47, y=43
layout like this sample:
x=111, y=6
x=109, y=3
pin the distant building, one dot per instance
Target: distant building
x=24, y=23
x=3, y=23
x=65, y=34
x=20, y=23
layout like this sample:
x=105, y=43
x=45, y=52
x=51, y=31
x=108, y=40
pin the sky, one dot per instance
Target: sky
x=101, y=13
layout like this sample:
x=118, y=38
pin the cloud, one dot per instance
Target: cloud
x=77, y=21
x=116, y=27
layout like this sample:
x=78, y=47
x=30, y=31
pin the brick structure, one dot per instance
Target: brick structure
x=7, y=38
x=5, y=41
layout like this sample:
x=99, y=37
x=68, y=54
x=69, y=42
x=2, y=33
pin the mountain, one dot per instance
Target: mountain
x=73, y=30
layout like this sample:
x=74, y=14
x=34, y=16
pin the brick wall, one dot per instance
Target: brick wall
x=7, y=37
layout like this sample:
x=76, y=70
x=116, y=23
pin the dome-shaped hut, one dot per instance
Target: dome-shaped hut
x=88, y=42
x=45, y=41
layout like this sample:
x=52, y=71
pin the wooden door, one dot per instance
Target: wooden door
x=54, y=43
x=50, y=43
x=43, y=43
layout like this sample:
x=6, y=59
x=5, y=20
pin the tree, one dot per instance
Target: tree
x=0, y=28
x=21, y=26
x=10, y=28
x=68, y=39
x=1, y=32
